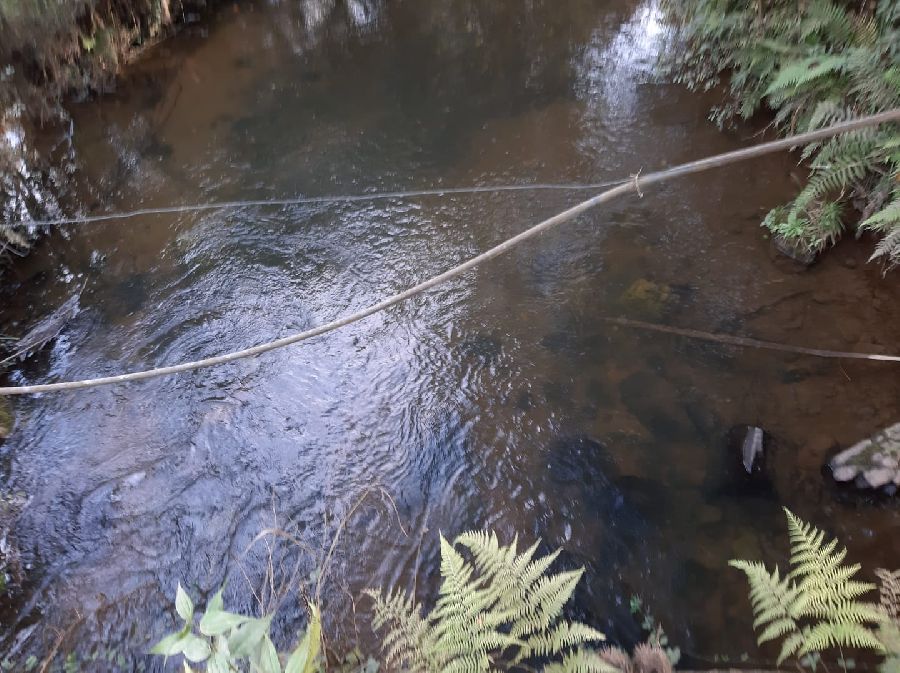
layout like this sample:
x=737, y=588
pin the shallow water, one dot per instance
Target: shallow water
x=500, y=400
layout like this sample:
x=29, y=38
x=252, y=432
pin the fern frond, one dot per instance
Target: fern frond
x=797, y=73
x=889, y=593
x=581, y=661
x=885, y=219
x=500, y=607
x=888, y=248
x=816, y=606
x=828, y=635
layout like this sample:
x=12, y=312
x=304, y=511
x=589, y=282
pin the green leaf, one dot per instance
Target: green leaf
x=246, y=637
x=195, y=648
x=170, y=645
x=303, y=659
x=184, y=606
x=217, y=623
x=216, y=603
x=268, y=657
x=218, y=663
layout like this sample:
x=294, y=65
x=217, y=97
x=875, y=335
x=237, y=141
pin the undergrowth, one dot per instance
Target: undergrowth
x=812, y=63
x=500, y=609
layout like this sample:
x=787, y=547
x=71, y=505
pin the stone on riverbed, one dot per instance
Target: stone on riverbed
x=873, y=463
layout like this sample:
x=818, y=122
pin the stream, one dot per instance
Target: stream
x=500, y=400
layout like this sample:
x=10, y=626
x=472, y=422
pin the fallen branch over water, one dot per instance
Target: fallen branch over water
x=636, y=184
x=747, y=342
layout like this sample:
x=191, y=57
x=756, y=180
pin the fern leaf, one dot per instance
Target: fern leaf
x=581, y=661
x=797, y=73
x=824, y=636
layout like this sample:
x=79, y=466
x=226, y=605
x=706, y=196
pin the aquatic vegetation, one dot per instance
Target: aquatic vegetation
x=813, y=64
x=817, y=605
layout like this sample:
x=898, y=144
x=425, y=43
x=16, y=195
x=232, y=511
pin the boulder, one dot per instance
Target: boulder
x=873, y=463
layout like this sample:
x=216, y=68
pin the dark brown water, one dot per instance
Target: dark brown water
x=500, y=400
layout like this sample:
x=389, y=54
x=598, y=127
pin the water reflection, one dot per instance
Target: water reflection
x=501, y=399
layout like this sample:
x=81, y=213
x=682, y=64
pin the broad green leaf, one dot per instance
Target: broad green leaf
x=218, y=663
x=246, y=637
x=268, y=657
x=184, y=606
x=170, y=645
x=216, y=604
x=297, y=661
x=217, y=623
x=195, y=648
x=303, y=659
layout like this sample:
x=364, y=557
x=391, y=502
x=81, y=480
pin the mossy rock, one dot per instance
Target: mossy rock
x=646, y=297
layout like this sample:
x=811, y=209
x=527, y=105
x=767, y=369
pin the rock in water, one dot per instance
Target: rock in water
x=794, y=251
x=752, y=447
x=873, y=463
x=48, y=328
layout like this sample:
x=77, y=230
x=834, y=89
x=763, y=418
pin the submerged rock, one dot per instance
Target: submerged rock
x=48, y=328
x=873, y=463
x=793, y=251
x=646, y=297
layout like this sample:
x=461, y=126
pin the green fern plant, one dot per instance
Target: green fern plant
x=813, y=64
x=498, y=610
x=817, y=605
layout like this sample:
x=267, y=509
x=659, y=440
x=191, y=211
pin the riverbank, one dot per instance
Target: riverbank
x=51, y=55
x=809, y=64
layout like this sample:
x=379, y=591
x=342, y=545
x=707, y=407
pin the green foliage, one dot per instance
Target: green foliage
x=656, y=635
x=498, y=610
x=816, y=605
x=813, y=63
x=226, y=642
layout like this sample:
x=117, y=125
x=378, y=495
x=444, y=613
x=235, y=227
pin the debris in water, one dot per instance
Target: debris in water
x=752, y=447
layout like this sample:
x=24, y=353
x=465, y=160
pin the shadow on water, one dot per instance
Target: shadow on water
x=499, y=400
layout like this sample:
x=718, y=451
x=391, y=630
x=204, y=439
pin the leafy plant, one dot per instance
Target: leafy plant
x=656, y=635
x=499, y=610
x=813, y=63
x=817, y=605
x=225, y=642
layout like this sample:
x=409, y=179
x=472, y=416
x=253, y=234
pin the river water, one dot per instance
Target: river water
x=500, y=400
